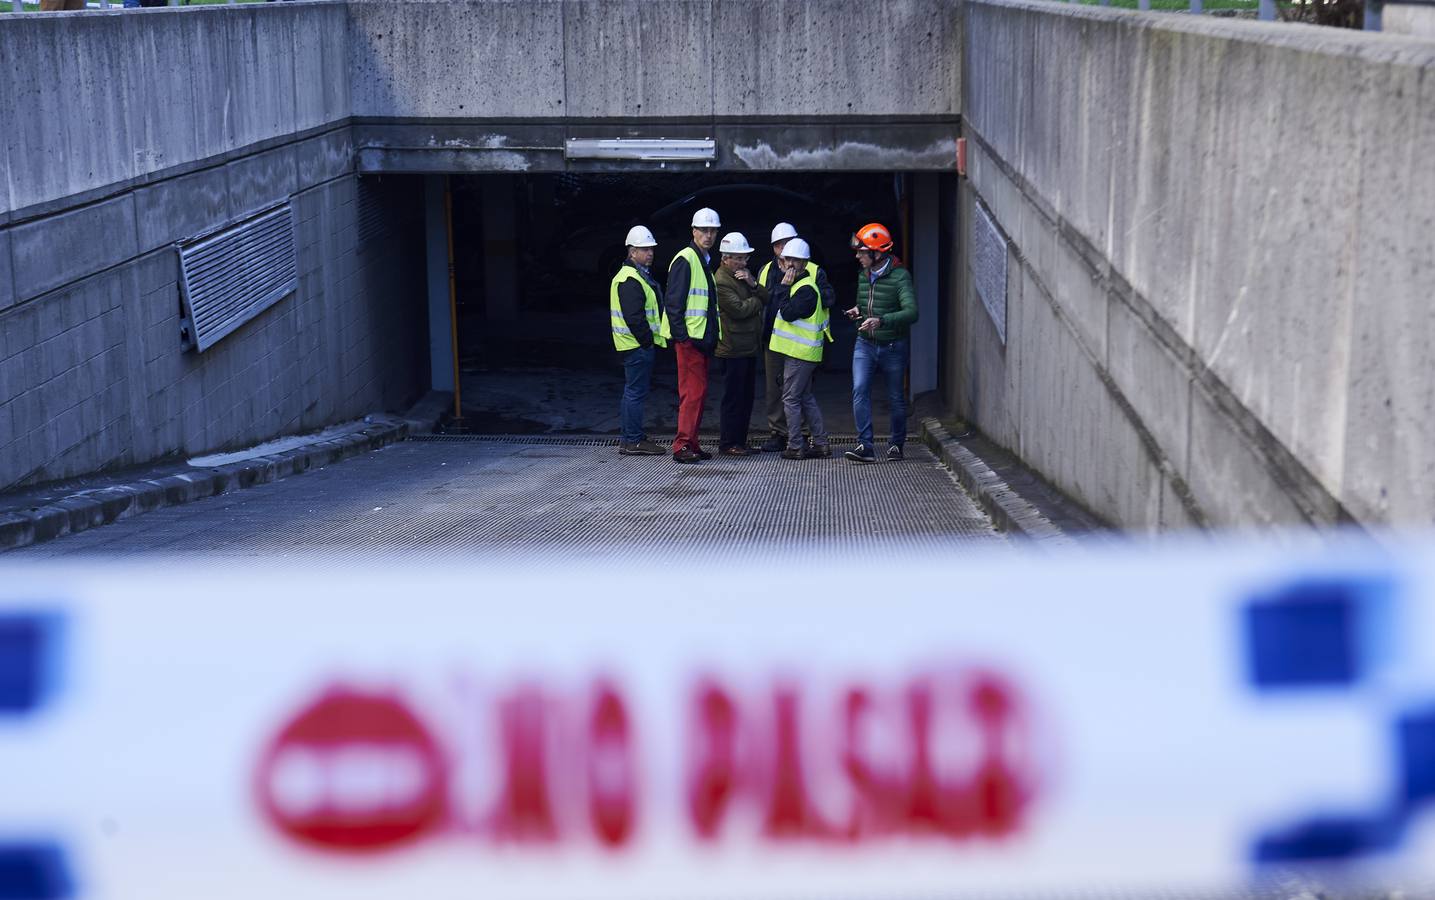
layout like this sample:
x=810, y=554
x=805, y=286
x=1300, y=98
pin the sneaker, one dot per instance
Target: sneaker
x=861, y=454
x=702, y=454
x=641, y=448
x=794, y=453
x=774, y=445
x=686, y=455
x=894, y=453
x=819, y=451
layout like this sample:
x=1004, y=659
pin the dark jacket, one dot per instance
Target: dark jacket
x=774, y=275
x=892, y=299
x=740, y=309
x=634, y=304
x=794, y=306
x=675, y=301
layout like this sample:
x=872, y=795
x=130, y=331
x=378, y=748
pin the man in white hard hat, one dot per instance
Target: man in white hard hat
x=638, y=327
x=741, y=301
x=691, y=307
x=798, y=333
x=774, y=366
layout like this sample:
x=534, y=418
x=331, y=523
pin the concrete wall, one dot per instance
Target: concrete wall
x=1220, y=269
x=96, y=102
x=165, y=124
x=1408, y=19
x=491, y=85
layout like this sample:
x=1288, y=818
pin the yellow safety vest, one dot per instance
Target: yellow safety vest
x=802, y=339
x=812, y=269
x=622, y=335
x=698, y=301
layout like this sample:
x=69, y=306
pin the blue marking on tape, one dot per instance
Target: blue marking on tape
x=1329, y=633
x=29, y=660
x=34, y=871
x=1330, y=838
x=1309, y=634
x=1415, y=747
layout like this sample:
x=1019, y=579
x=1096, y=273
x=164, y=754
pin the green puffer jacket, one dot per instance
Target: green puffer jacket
x=892, y=299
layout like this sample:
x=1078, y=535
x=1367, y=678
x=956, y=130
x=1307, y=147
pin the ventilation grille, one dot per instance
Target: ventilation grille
x=232, y=276
x=374, y=215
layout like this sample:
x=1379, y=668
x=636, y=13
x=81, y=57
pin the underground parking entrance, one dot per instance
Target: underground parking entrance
x=533, y=255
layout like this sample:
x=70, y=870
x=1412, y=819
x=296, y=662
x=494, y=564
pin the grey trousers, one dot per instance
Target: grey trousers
x=799, y=403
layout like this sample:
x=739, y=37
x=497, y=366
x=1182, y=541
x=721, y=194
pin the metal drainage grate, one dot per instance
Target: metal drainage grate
x=537, y=439
x=598, y=440
x=501, y=499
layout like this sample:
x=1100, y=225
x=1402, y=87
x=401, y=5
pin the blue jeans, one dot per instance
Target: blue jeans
x=892, y=360
x=638, y=374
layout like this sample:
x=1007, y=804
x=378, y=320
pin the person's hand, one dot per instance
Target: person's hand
x=744, y=276
x=869, y=324
x=789, y=276
x=854, y=313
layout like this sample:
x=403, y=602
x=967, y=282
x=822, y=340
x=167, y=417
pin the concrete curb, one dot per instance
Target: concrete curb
x=91, y=509
x=1009, y=510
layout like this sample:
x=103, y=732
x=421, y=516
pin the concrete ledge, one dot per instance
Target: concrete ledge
x=93, y=508
x=424, y=416
x=1047, y=521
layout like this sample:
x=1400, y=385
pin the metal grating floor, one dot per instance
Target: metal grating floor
x=542, y=497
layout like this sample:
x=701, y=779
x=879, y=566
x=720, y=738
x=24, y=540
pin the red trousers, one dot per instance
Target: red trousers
x=692, y=394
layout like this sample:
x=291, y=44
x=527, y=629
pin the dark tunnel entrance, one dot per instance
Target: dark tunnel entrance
x=534, y=255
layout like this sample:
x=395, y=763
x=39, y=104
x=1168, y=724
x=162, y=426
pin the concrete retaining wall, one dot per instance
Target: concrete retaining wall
x=152, y=126
x=495, y=85
x=93, y=374
x=101, y=101
x=1221, y=263
x=644, y=59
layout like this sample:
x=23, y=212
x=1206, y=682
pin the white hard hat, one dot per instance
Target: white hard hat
x=638, y=236
x=706, y=218
x=797, y=249
x=734, y=242
x=782, y=231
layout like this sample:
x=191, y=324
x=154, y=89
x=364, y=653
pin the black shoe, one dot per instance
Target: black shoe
x=738, y=450
x=774, y=445
x=794, y=453
x=862, y=454
x=702, y=454
x=641, y=448
x=686, y=455
x=819, y=451
x=894, y=453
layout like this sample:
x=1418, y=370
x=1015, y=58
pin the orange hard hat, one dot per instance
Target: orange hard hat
x=872, y=236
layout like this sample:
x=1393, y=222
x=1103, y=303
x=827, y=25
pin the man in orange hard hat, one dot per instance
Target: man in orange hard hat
x=886, y=308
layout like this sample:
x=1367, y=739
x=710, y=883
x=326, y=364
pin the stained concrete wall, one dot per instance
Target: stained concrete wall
x=96, y=102
x=1408, y=19
x=167, y=123
x=490, y=85
x=1220, y=266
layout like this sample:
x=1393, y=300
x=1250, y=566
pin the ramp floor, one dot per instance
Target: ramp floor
x=567, y=497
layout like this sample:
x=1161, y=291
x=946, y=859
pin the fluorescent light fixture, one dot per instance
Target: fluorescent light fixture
x=651, y=149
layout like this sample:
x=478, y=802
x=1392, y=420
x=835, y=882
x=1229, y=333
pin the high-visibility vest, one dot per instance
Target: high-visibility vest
x=802, y=339
x=812, y=269
x=622, y=335
x=698, y=301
